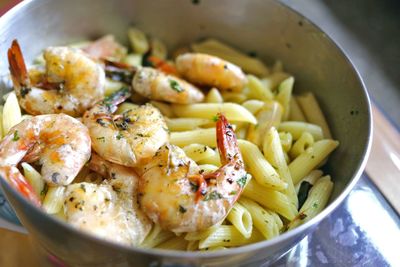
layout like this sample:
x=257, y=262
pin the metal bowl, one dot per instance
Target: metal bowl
x=268, y=28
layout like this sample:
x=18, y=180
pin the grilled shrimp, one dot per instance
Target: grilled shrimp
x=110, y=209
x=211, y=71
x=174, y=194
x=128, y=138
x=60, y=143
x=70, y=84
x=156, y=85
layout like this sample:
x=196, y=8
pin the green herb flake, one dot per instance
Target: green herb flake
x=182, y=209
x=214, y=195
x=15, y=136
x=315, y=205
x=242, y=181
x=103, y=139
x=119, y=136
x=175, y=86
x=233, y=193
x=215, y=118
x=44, y=190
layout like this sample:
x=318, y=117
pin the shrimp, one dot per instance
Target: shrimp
x=211, y=71
x=110, y=209
x=59, y=142
x=128, y=138
x=70, y=84
x=175, y=194
x=156, y=85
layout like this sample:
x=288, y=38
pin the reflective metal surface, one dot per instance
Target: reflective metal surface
x=266, y=27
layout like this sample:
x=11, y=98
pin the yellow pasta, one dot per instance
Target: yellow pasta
x=214, y=96
x=138, y=41
x=273, y=152
x=54, y=199
x=295, y=112
x=257, y=90
x=305, y=141
x=164, y=108
x=213, y=160
x=198, y=152
x=200, y=136
x=1, y=122
x=296, y=128
x=311, y=178
x=313, y=112
x=34, y=178
x=253, y=105
x=232, y=111
x=134, y=60
x=259, y=167
x=175, y=243
x=315, y=202
x=192, y=236
x=11, y=113
x=240, y=217
x=217, y=48
x=158, y=48
x=234, y=97
x=112, y=86
x=271, y=199
x=309, y=159
x=286, y=140
x=207, y=168
x=228, y=236
x=156, y=237
x=125, y=107
x=262, y=219
x=284, y=95
x=186, y=124
x=272, y=81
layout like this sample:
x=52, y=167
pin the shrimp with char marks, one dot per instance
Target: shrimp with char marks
x=70, y=84
x=211, y=71
x=154, y=84
x=175, y=194
x=60, y=144
x=110, y=209
x=127, y=138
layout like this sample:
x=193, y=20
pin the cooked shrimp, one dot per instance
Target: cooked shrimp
x=110, y=209
x=211, y=71
x=174, y=194
x=156, y=85
x=128, y=138
x=71, y=83
x=60, y=143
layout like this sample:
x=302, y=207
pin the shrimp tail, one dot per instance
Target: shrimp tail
x=226, y=141
x=119, y=71
x=18, y=182
x=112, y=101
x=18, y=70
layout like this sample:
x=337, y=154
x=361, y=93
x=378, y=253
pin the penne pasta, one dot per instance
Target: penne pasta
x=271, y=199
x=214, y=96
x=219, y=49
x=34, y=178
x=54, y=199
x=305, y=141
x=316, y=201
x=309, y=159
x=198, y=152
x=278, y=220
x=240, y=217
x=175, y=243
x=165, y=109
x=1, y=122
x=134, y=60
x=253, y=105
x=313, y=112
x=262, y=219
x=233, y=112
x=274, y=153
x=257, y=90
x=284, y=96
x=228, y=236
x=156, y=237
x=138, y=41
x=125, y=107
x=311, y=178
x=234, y=97
x=213, y=160
x=286, y=140
x=192, y=236
x=272, y=81
x=200, y=136
x=296, y=128
x=186, y=124
x=295, y=112
x=11, y=112
x=207, y=168
x=259, y=167
x=112, y=86
x=158, y=48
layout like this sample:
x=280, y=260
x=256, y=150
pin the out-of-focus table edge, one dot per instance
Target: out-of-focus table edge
x=383, y=166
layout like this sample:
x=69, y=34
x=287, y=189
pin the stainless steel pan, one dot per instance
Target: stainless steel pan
x=268, y=28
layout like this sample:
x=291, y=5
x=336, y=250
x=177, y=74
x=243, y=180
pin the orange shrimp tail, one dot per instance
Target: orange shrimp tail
x=19, y=183
x=18, y=70
x=226, y=141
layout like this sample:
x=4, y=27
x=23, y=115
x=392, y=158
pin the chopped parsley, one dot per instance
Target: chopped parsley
x=44, y=190
x=215, y=118
x=233, y=193
x=103, y=139
x=242, y=181
x=175, y=86
x=119, y=136
x=214, y=195
x=15, y=136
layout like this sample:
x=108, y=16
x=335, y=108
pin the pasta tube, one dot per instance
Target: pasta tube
x=233, y=112
x=198, y=152
x=286, y=140
x=305, y=141
x=259, y=167
x=295, y=112
x=34, y=178
x=156, y=237
x=214, y=96
x=175, y=243
x=186, y=124
x=240, y=217
x=138, y=41
x=253, y=105
x=309, y=159
x=54, y=199
x=11, y=112
x=284, y=95
x=296, y=128
x=257, y=90
x=200, y=136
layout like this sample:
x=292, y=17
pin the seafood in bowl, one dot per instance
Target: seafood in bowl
x=207, y=151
